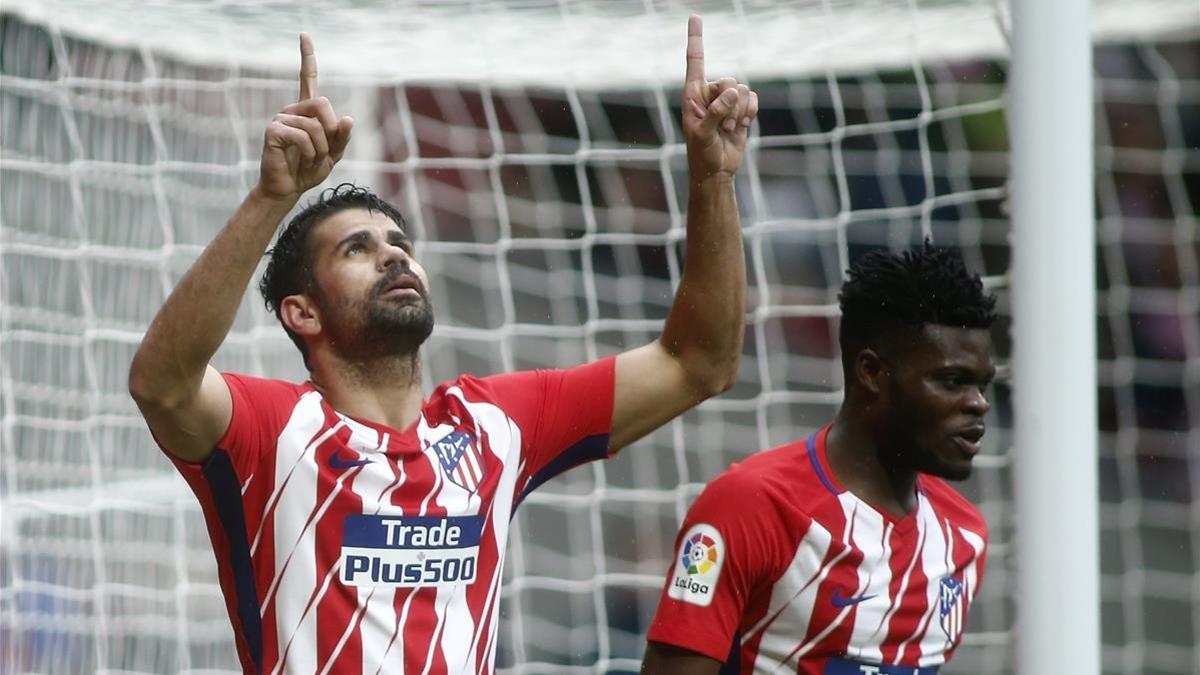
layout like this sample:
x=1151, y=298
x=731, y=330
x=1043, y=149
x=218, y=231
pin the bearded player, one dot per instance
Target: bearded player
x=846, y=553
x=360, y=526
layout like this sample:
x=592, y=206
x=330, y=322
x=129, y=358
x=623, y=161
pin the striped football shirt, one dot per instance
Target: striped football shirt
x=779, y=569
x=346, y=546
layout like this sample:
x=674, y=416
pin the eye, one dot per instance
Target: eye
x=954, y=380
x=355, y=248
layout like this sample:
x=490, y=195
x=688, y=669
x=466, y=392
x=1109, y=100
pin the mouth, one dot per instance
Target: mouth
x=402, y=285
x=401, y=291
x=968, y=440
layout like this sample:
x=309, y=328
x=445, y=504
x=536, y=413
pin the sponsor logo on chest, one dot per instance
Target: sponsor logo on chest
x=410, y=551
x=843, y=666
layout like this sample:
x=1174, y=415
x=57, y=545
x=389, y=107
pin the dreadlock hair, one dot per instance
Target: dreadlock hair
x=290, y=265
x=888, y=293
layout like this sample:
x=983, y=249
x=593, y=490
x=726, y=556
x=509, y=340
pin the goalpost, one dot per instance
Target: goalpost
x=1055, y=438
x=534, y=147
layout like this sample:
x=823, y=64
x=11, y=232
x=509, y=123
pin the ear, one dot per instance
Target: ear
x=870, y=371
x=300, y=314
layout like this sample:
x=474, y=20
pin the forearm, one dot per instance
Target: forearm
x=170, y=363
x=704, y=328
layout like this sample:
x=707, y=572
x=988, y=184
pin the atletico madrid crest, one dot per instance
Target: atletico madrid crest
x=458, y=453
x=952, y=608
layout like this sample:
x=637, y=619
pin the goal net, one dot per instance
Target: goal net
x=534, y=147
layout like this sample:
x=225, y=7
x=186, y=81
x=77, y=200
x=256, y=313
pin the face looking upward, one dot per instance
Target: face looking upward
x=371, y=293
x=934, y=400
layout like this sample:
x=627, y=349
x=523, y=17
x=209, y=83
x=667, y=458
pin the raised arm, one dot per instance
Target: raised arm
x=184, y=400
x=697, y=354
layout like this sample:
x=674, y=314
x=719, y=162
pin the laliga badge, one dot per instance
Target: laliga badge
x=697, y=565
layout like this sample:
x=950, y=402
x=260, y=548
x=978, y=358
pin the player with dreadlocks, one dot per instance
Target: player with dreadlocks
x=846, y=552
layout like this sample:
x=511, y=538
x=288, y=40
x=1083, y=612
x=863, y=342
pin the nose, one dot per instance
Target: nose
x=976, y=401
x=390, y=255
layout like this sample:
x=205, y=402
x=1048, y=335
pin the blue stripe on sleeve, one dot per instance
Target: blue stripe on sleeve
x=587, y=449
x=227, y=499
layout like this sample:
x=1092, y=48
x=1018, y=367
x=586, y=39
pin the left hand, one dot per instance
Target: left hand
x=716, y=115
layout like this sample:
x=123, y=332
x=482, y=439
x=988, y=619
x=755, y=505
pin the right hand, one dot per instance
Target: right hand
x=305, y=140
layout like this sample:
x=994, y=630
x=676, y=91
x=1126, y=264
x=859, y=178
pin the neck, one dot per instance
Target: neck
x=854, y=453
x=385, y=389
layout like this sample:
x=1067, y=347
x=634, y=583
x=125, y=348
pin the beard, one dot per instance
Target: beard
x=382, y=326
x=398, y=326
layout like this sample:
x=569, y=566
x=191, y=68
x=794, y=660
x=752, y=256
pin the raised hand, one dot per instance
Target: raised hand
x=716, y=115
x=305, y=140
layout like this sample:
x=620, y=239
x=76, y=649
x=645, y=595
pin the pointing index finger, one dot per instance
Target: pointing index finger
x=695, y=50
x=308, y=68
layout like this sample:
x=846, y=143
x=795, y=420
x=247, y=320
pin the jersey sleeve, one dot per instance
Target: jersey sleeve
x=565, y=416
x=730, y=548
x=261, y=409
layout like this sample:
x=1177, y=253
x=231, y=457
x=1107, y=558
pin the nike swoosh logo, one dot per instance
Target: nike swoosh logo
x=839, y=601
x=337, y=462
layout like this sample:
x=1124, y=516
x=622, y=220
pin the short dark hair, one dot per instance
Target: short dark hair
x=290, y=265
x=887, y=292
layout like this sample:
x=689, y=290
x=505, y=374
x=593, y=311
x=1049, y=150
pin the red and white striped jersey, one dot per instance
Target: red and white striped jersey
x=345, y=546
x=780, y=569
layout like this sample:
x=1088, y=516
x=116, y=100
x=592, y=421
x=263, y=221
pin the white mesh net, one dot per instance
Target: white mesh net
x=534, y=147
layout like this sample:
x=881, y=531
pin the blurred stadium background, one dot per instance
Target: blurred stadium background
x=534, y=146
